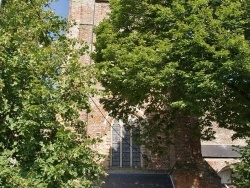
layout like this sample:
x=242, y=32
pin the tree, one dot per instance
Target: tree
x=242, y=169
x=43, y=87
x=186, y=63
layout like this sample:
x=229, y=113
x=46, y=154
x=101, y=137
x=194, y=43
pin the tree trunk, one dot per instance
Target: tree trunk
x=189, y=168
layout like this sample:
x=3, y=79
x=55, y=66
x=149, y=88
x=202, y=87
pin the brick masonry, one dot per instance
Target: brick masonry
x=87, y=14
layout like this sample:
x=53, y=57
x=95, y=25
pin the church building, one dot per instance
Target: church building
x=117, y=144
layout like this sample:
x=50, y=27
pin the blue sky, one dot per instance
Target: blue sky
x=61, y=7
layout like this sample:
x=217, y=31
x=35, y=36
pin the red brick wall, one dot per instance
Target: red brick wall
x=87, y=14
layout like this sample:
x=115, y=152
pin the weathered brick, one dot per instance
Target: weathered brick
x=88, y=14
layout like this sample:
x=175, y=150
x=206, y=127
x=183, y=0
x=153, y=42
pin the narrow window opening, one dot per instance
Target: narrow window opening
x=124, y=153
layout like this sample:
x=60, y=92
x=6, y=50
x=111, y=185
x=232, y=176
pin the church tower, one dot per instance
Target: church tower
x=117, y=143
x=87, y=14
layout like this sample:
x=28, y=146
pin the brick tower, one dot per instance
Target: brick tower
x=121, y=152
x=87, y=14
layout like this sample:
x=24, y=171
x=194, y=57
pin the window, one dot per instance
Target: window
x=124, y=152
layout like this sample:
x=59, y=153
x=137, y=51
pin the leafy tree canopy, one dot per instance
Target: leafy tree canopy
x=43, y=87
x=242, y=169
x=170, y=57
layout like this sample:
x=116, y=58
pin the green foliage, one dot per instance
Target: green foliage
x=43, y=87
x=242, y=169
x=177, y=57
